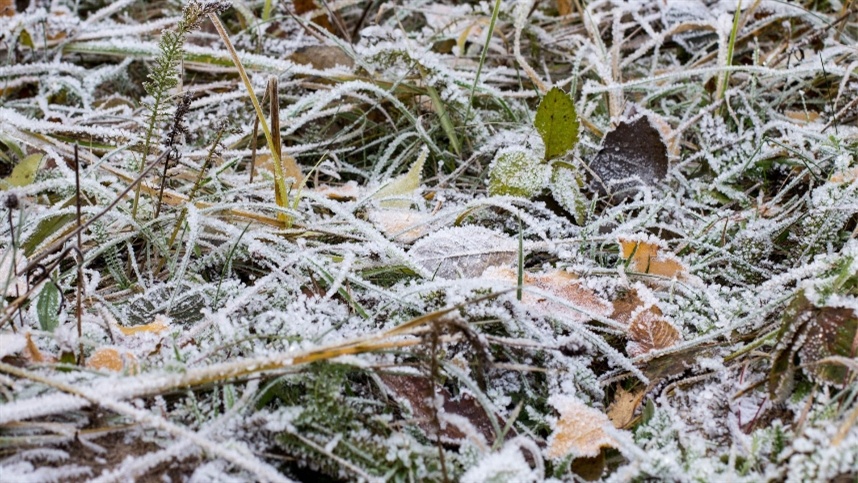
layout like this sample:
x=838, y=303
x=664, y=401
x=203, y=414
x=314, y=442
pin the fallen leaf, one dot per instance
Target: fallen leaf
x=564, y=7
x=402, y=186
x=650, y=331
x=645, y=257
x=802, y=117
x=322, y=57
x=463, y=251
x=348, y=191
x=33, y=353
x=621, y=412
x=404, y=226
x=24, y=172
x=580, y=430
x=560, y=284
x=625, y=305
x=110, y=359
x=634, y=148
x=158, y=325
x=7, y=8
x=465, y=410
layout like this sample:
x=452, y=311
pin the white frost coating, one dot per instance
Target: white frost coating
x=463, y=251
x=505, y=466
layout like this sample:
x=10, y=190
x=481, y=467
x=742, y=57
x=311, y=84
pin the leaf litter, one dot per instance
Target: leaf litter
x=530, y=241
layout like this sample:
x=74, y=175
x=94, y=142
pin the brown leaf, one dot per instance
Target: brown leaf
x=621, y=412
x=33, y=353
x=580, y=431
x=645, y=258
x=650, y=331
x=564, y=7
x=7, y=8
x=625, y=305
x=561, y=284
x=416, y=390
x=322, y=57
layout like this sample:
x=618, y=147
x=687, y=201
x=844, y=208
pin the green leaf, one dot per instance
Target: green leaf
x=48, y=307
x=402, y=186
x=24, y=172
x=557, y=123
x=517, y=172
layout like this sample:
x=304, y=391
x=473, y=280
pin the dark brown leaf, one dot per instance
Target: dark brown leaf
x=416, y=390
x=632, y=149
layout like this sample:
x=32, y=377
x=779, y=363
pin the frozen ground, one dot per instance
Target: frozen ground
x=504, y=241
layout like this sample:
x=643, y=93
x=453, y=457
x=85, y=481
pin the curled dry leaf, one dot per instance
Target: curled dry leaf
x=645, y=257
x=33, y=353
x=110, y=359
x=580, y=430
x=650, y=331
x=560, y=284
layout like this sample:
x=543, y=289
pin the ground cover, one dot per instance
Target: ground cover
x=429, y=241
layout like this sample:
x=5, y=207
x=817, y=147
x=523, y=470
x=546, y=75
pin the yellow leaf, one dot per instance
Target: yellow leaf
x=645, y=258
x=24, y=172
x=402, y=186
x=622, y=409
x=580, y=431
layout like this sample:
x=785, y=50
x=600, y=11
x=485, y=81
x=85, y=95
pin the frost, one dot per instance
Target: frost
x=517, y=172
x=463, y=251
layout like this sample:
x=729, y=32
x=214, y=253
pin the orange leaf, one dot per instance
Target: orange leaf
x=110, y=359
x=157, y=326
x=645, y=258
x=33, y=353
x=580, y=431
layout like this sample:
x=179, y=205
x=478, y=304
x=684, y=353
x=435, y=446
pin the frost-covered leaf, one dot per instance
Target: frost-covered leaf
x=621, y=412
x=48, y=306
x=462, y=417
x=160, y=324
x=402, y=186
x=650, y=331
x=645, y=257
x=348, y=191
x=517, y=172
x=111, y=359
x=24, y=172
x=557, y=123
x=403, y=226
x=566, y=184
x=560, y=284
x=813, y=334
x=580, y=430
x=634, y=148
x=464, y=251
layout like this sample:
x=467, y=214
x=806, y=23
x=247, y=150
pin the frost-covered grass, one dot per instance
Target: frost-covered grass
x=391, y=316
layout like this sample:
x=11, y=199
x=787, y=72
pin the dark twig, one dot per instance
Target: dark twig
x=78, y=310
x=12, y=204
